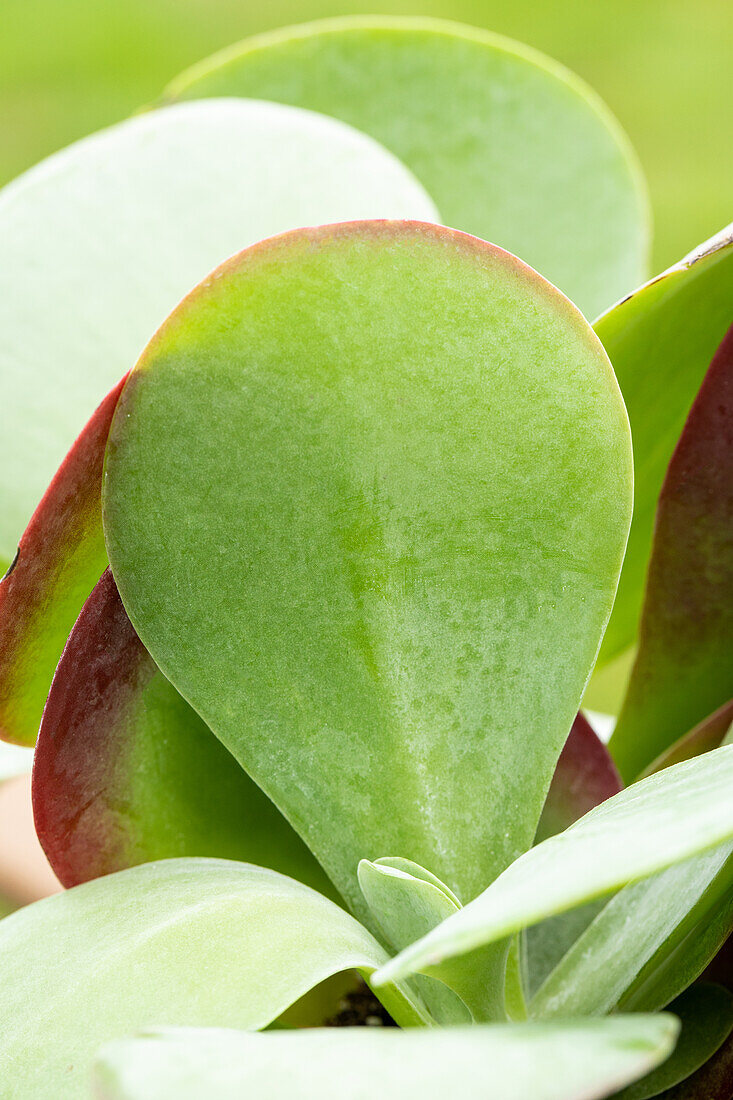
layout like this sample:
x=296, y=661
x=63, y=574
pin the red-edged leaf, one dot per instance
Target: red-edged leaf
x=126, y=772
x=684, y=667
x=59, y=560
x=585, y=776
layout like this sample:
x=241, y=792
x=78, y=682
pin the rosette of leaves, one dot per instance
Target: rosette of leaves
x=330, y=569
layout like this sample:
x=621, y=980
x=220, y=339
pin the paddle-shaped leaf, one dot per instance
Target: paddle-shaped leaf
x=684, y=668
x=59, y=560
x=102, y=240
x=185, y=942
x=584, y=777
x=661, y=340
x=662, y=820
x=512, y=147
x=577, y=1061
x=119, y=744
x=358, y=486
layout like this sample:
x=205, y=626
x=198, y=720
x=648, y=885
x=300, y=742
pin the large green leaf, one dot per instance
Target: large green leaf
x=358, y=486
x=118, y=742
x=576, y=1061
x=185, y=942
x=662, y=820
x=511, y=146
x=684, y=668
x=126, y=222
x=661, y=340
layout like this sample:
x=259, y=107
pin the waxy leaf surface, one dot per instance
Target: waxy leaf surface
x=659, y=821
x=59, y=560
x=661, y=340
x=684, y=667
x=510, y=145
x=185, y=942
x=101, y=241
x=578, y=1061
x=357, y=487
x=126, y=772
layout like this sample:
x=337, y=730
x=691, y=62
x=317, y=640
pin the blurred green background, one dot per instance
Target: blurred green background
x=665, y=67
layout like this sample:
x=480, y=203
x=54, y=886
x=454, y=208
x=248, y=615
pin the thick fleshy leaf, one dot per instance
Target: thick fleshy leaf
x=99, y=242
x=126, y=772
x=59, y=560
x=578, y=1061
x=185, y=942
x=661, y=340
x=584, y=777
x=684, y=668
x=658, y=822
x=642, y=922
x=407, y=902
x=359, y=485
x=512, y=147
x=706, y=735
x=691, y=948
x=706, y=1014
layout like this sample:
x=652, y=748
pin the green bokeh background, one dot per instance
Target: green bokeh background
x=665, y=67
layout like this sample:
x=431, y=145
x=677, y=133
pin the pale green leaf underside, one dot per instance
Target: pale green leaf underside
x=578, y=1061
x=511, y=146
x=358, y=486
x=665, y=819
x=185, y=942
x=101, y=241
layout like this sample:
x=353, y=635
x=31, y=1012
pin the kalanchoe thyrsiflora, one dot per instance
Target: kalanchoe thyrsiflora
x=360, y=512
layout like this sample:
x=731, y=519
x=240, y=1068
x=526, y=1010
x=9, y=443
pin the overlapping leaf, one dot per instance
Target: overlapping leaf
x=579, y=1061
x=661, y=340
x=358, y=486
x=661, y=821
x=98, y=244
x=684, y=668
x=126, y=772
x=512, y=147
x=189, y=942
x=58, y=562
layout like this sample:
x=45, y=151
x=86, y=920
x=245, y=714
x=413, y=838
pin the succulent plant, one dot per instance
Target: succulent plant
x=304, y=620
